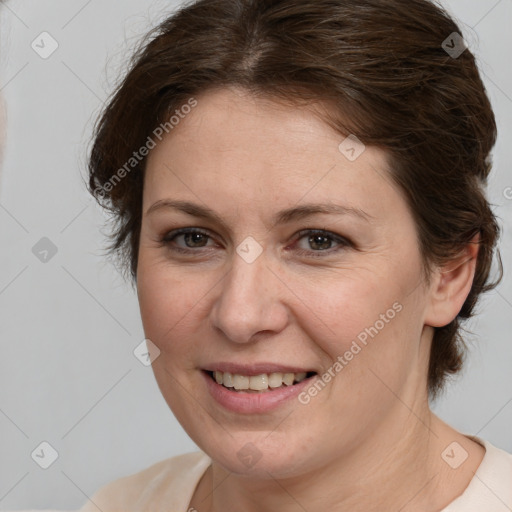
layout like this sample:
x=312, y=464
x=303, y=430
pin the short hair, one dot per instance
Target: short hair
x=394, y=74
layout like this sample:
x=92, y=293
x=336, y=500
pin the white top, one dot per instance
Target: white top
x=169, y=485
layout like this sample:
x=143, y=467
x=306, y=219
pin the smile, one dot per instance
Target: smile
x=258, y=383
x=257, y=393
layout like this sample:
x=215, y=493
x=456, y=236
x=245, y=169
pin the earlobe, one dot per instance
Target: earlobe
x=451, y=286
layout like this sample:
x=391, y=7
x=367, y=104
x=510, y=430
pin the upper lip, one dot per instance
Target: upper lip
x=254, y=368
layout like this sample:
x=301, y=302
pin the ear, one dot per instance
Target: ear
x=451, y=285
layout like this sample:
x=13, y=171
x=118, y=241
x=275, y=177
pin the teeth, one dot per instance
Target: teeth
x=299, y=377
x=240, y=382
x=288, y=379
x=257, y=382
x=275, y=380
x=227, y=379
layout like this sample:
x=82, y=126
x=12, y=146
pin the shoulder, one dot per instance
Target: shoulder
x=491, y=487
x=170, y=481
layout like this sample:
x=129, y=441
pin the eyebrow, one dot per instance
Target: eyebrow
x=284, y=216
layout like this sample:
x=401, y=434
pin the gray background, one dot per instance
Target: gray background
x=69, y=325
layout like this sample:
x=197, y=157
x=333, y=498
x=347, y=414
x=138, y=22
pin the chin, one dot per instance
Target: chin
x=255, y=454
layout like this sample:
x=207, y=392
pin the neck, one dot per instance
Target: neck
x=398, y=468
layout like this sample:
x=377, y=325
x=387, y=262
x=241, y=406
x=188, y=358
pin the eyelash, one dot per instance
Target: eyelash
x=343, y=242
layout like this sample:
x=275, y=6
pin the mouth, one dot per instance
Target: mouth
x=261, y=383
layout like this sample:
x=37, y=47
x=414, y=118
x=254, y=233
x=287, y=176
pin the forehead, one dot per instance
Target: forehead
x=233, y=120
x=233, y=147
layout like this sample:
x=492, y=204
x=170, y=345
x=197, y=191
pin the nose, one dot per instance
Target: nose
x=250, y=301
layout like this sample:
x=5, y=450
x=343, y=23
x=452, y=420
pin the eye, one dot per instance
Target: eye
x=320, y=241
x=193, y=238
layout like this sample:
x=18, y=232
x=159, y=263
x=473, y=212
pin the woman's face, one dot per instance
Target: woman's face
x=258, y=292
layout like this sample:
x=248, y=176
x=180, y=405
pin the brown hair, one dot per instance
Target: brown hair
x=383, y=68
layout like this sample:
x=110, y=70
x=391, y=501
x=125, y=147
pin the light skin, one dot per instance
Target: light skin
x=368, y=441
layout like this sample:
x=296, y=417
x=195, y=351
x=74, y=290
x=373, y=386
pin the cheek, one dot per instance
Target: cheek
x=169, y=304
x=366, y=325
x=337, y=311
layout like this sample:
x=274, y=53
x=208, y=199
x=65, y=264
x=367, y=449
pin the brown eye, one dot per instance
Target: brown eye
x=192, y=238
x=320, y=241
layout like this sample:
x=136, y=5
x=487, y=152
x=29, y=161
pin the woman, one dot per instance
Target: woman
x=299, y=190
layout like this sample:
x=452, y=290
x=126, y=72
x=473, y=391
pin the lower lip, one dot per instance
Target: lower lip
x=253, y=403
